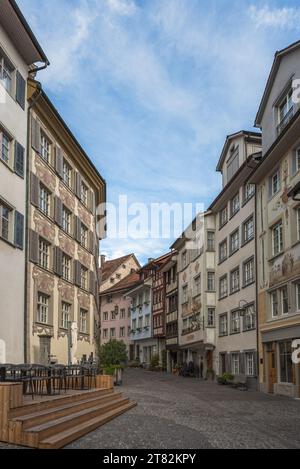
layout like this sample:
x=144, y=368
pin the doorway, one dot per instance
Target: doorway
x=45, y=350
x=271, y=368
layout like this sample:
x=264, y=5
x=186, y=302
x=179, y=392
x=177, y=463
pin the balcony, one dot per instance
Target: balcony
x=286, y=119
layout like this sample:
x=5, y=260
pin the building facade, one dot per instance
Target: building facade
x=234, y=209
x=278, y=235
x=196, y=294
x=19, y=51
x=171, y=310
x=63, y=245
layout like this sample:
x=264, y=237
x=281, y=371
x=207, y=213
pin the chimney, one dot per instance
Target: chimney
x=102, y=257
x=150, y=259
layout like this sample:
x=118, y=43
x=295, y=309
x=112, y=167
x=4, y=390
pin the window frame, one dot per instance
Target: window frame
x=44, y=306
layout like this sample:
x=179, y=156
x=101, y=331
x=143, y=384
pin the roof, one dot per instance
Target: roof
x=273, y=72
x=246, y=133
x=19, y=31
x=125, y=284
x=158, y=261
x=110, y=267
x=182, y=238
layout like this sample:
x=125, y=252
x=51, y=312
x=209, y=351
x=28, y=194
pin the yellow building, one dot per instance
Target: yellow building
x=62, y=285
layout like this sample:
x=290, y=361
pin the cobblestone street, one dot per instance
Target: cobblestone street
x=175, y=412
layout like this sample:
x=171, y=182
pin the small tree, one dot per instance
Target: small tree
x=112, y=353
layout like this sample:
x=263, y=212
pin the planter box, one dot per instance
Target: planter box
x=104, y=381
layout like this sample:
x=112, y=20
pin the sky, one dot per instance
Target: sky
x=151, y=88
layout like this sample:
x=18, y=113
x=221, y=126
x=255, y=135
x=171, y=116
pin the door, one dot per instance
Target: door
x=271, y=370
x=45, y=350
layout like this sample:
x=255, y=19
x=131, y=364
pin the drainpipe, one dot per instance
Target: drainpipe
x=33, y=103
x=38, y=69
x=256, y=286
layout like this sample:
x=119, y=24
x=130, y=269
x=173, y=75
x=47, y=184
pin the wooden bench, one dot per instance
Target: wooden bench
x=239, y=381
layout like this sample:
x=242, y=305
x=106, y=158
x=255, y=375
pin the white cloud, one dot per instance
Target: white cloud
x=275, y=17
x=122, y=7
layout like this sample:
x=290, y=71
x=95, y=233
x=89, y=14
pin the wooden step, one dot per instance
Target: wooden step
x=36, y=418
x=47, y=429
x=55, y=401
x=66, y=436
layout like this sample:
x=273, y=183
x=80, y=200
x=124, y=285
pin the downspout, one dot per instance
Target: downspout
x=38, y=69
x=31, y=105
x=256, y=286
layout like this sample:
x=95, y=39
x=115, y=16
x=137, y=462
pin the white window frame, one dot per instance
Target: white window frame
x=235, y=363
x=223, y=324
x=66, y=267
x=84, y=193
x=211, y=314
x=44, y=253
x=248, y=229
x=44, y=200
x=277, y=238
x=234, y=240
x=43, y=308
x=66, y=219
x=235, y=280
x=45, y=149
x=211, y=281
x=223, y=286
x=235, y=322
x=5, y=221
x=67, y=173
x=275, y=182
x=249, y=359
x=65, y=314
x=223, y=250
x=283, y=298
x=6, y=71
x=248, y=267
x=84, y=278
x=235, y=204
x=83, y=235
x=274, y=303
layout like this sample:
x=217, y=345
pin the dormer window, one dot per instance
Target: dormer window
x=285, y=111
x=233, y=162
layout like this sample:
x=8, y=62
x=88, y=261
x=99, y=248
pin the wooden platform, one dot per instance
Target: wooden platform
x=54, y=421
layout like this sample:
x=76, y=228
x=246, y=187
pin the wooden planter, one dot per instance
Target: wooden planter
x=105, y=381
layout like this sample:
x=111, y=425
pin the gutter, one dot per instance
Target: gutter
x=26, y=244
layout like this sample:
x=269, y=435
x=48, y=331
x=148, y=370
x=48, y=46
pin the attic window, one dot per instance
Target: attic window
x=112, y=280
x=124, y=266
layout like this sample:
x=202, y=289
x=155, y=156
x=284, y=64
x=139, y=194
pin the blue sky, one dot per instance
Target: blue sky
x=151, y=88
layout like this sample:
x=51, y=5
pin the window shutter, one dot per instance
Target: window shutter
x=20, y=90
x=228, y=362
x=58, y=261
x=92, y=283
x=59, y=161
x=33, y=247
x=255, y=358
x=91, y=243
x=78, y=229
x=19, y=159
x=78, y=185
x=92, y=202
x=19, y=230
x=34, y=190
x=58, y=211
x=35, y=135
x=77, y=279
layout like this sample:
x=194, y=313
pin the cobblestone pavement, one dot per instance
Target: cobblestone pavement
x=185, y=413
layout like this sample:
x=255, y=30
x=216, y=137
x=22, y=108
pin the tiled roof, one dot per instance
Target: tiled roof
x=124, y=284
x=110, y=267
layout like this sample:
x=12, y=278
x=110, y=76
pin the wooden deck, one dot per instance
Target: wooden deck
x=54, y=421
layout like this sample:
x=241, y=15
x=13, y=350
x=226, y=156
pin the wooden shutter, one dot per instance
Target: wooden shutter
x=34, y=190
x=77, y=273
x=19, y=230
x=33, y=246
x=19, y=159
x=58, y=211
x=59, y=161
x=255, y=364
x=78, y=184
x=228, y=362
x=92, y=283
x=58, y=261
x=77, y=229
x=20, y=90
x=35, y=135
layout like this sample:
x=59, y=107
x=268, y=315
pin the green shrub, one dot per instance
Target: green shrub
x=154, y=360
x=113, y=353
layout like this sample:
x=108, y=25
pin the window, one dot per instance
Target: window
x=122, y=313
x=184, y=294
x=67, y=173
x=210, y=281
x=197, y=285
x=140, y=322
x=234, y=205
x=65, y=314
x=5, y=148
x=210, y=317
x=45, y=148
x=147, y=320
x=277, y=240
x=248, y=230
x=235, y=325
x=235, y=280
x=134, y=324
x=223, y=287
x=233, y=163
x=66, y=219
x=105, y=333
x=249, y=363
x=248, y=272
x=275, y=183
x=109, y=298
x=248, y=190
x=223, y=326
x=83, y=277
x=6, y=73
x=84, y=194
x=66, y=267
x=105, y=316
x=286, y=365
x=5, y=221
x=128, y=331
x=44, y=201
x=284, y=299
x=83, y=321
x=113, y=315
x=129, y=312
x=83, y=235
x=223, y=251
x=234, y=241
x=184, y=259
x=249, y=318
x=210, y=241
x=223, y=217
x=235, y=363
x=274, y=303
x=44, y=248
x=43, y=308
x=285, y=111
x=122, y=331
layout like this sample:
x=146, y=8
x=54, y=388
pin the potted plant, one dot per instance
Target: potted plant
x=225, y=378
x=210, y=374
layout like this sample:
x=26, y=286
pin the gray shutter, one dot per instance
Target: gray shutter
x=255, y=358
x=242, y=362
x=33, y=247
x=19, y=230
x=78, y=229
x=58, y=261
x=58, y=211
x=77, y=271
x=59, y=161
x=35, y=135
x=78, y=184
x=20, y=90
x=34, y=190
x=228, y=362
x=92, y=283
x=19, y=159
